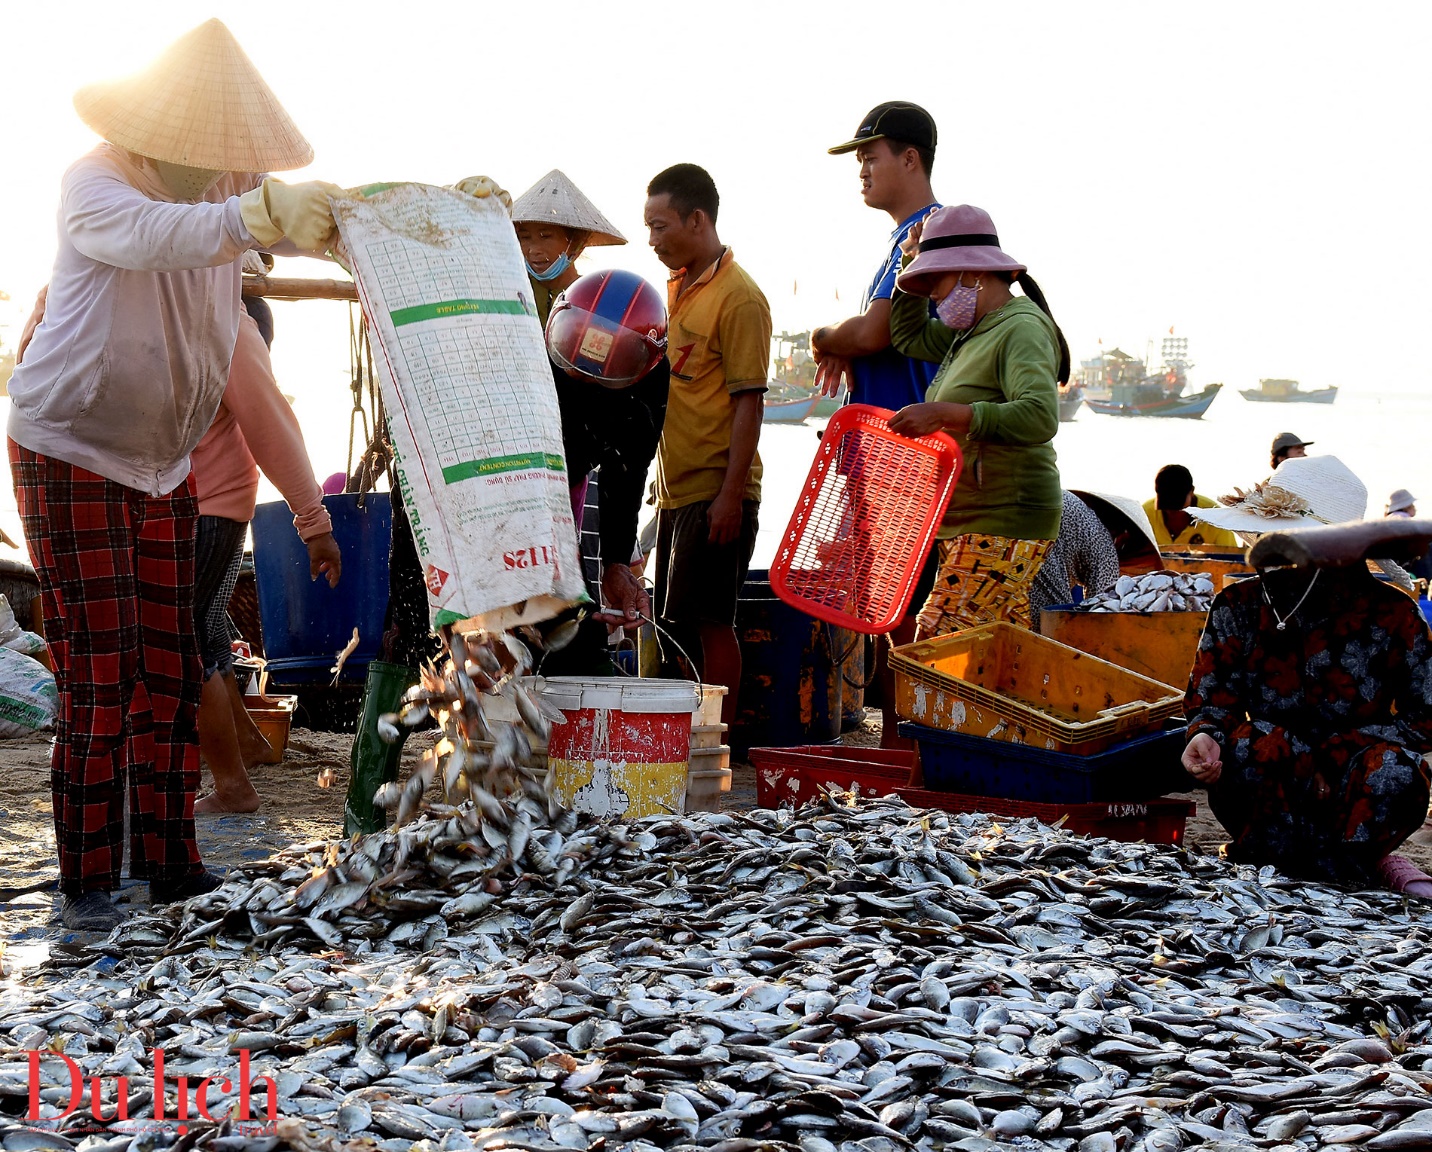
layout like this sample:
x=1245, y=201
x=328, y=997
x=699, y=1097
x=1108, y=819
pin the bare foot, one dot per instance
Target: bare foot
x=216, y=802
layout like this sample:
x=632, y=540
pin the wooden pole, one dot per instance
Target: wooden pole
x=299, y=288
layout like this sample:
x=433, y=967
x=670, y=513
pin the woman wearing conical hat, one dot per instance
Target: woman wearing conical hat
x=609, y=434
x=121, y=379
x=555, y=223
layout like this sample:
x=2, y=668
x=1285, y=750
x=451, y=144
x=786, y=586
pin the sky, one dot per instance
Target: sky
x=1252, y=174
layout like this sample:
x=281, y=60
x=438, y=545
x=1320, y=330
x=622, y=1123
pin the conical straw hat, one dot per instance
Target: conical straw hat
x=202, y=104
x=1120, y=513
x=554, y=199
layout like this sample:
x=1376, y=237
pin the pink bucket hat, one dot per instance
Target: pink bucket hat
x=958, y=239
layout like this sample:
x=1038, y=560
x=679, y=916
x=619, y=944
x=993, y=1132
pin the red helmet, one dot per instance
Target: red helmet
x=608, y=327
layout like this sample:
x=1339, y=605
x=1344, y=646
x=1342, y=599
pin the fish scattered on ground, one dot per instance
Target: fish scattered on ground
x=850, y=977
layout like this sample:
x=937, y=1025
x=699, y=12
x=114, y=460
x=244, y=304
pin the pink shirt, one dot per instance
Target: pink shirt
x=256, y=428
x=127, y=368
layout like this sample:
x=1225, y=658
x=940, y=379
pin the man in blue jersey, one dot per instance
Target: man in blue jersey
x=895, y=145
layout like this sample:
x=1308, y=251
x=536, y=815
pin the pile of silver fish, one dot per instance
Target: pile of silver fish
x=1155, y=592
x=855, y=976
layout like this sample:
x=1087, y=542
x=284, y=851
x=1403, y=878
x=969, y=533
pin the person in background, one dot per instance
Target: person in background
x=255, y=429
x=1176, y=530
x=119, y=382
x=1287, y=446
x=1001, y=360
x=1402, y=504
x=708, y=471
x=613, y=410
x=895, y=148
x=1084, y=556
x=1310, y=702
x=609, y=434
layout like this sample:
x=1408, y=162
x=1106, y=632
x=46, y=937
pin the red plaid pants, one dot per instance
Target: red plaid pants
x=116, y=569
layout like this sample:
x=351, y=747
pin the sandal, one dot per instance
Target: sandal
x=1401, y=875
x=92, y=912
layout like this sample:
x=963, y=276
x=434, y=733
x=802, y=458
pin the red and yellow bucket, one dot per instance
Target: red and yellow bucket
x=624, y=749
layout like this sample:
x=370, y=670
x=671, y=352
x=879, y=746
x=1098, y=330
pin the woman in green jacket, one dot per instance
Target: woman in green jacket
x=1001, y=360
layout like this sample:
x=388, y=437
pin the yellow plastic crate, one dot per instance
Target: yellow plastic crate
x=1159, y=645
x=1007, y=683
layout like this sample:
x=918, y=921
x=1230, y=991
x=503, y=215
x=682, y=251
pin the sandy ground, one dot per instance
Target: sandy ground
x=295, y=809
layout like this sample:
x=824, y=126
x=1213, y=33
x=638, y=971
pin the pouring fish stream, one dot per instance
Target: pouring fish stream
x=851, y=977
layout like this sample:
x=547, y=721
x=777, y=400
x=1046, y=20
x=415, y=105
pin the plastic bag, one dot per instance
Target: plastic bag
x=9, y=626
x=472, y=410
x=28, y=698
x=13, y=636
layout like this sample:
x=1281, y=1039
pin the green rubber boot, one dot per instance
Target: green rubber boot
x=373, y=762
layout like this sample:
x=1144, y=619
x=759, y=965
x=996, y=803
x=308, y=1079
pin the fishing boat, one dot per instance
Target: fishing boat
x=791, y=396
x=1287, y=392
x=1117, y=384
x=780, y=409
x=1071, y=399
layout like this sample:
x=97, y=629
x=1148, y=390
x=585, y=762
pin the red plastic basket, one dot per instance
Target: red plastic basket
x=791, y=776
x=864, y=523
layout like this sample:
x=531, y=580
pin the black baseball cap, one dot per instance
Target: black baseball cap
x=897, y=120
x=1285, y=440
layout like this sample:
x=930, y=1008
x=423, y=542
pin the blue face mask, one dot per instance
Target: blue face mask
x=559, y=265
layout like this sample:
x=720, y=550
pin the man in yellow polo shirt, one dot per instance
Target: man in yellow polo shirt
x=1174, y=529
x=708, y=475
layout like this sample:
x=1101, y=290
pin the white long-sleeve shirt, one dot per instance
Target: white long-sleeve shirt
x=127, y=369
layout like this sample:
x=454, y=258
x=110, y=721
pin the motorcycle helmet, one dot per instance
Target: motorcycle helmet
x=608, y=327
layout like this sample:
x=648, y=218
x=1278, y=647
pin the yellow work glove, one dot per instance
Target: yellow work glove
x=482, y=186
x=300, y=212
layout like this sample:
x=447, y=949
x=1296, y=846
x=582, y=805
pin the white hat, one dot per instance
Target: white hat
x=554, y=199
x=1400, y=501
x=202, y=104
x=1303, y=492
x=1126, y=506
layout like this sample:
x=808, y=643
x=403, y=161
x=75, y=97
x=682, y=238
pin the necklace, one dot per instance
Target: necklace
x=1283, y=620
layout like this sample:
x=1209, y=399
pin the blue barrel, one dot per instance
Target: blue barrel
x=792, y=687
x=305, y=622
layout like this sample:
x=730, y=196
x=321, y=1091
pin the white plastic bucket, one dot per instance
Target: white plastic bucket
x=625, y=748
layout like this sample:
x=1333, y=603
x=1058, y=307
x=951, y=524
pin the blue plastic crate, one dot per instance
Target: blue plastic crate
x=1137, y=769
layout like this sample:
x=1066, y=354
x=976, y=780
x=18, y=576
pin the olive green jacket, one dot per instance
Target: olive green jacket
x=1005, y=369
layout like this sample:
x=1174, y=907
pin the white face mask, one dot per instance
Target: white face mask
x=185, y=183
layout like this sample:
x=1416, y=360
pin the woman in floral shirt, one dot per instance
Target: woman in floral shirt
x=1310, y=710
